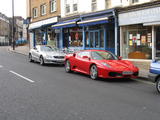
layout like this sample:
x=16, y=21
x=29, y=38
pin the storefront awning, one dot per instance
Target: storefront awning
x=93, y=21
x=65, y=24
x=151, y=23
x=41, y=23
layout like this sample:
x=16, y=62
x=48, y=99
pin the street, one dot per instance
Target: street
x=29, y=91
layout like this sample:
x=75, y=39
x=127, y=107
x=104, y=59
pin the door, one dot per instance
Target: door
x=94, y=37
x=83, y=61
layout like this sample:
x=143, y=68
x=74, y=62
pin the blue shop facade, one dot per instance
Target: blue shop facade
x=98, y=30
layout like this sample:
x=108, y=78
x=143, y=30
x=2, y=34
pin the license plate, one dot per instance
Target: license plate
x=127, y=73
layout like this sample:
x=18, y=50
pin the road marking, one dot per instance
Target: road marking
x=27, y=79
x=1, y=66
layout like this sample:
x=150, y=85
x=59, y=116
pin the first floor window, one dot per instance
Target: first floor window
x=43, y=9
x=35, y=12
x=94, y=5
x=53, y=5
x=135, y=1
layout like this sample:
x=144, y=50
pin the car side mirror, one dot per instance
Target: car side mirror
x=120, y=57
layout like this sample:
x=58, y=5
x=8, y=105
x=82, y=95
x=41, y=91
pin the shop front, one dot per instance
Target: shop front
x=42, y=34
x=89, y=31
x=139, y=32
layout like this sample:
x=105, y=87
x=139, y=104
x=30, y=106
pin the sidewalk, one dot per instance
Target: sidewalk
x=21, y=49
x=143, y=73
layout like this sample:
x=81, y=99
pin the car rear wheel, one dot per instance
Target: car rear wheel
x=30, y=58
x=68, y=66
x=94, y=72
x=158, y=85
x=41, y=60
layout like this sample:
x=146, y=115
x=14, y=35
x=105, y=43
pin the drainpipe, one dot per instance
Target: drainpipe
x=153, y=43
x=116, y=32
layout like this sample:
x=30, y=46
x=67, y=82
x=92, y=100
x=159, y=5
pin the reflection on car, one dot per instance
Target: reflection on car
x=100, y=63
x=46, y=55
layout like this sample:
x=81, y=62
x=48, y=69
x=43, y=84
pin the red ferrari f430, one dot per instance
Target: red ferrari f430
x=100, y=63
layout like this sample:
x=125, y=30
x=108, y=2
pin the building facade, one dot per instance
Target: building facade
x=92, y=25
x=4, y=30
x=43, y=14
x=139, y=31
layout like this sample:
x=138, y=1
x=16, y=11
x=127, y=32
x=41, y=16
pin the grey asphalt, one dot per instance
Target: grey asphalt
x=56, y=95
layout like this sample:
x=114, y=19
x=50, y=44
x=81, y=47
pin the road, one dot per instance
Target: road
x=29, y=91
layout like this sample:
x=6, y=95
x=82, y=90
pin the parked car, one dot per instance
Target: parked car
x=100, y=63
x=154, y=74
x=46, y=54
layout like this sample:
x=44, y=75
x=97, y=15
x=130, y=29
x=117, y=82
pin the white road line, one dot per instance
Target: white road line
x=1, y=66
x=29, y=80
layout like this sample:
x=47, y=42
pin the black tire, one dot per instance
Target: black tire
x=158, y=85
x=41, y=60
x=30, y=58
x=94, y=72
x=68, y=66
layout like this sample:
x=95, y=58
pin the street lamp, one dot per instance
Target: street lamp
x=13, y=27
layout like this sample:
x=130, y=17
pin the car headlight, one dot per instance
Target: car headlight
x=105, y=64
x=48, y=56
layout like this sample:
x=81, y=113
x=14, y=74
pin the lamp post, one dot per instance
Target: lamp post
x=13, y=27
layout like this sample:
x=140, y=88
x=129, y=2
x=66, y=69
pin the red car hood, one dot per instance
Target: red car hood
x=119, y=64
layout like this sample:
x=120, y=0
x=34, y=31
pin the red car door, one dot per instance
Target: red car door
x=83, y=61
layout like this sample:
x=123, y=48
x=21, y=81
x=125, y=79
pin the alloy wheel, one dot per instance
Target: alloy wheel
x=41, y=61
x=68, y=66
x=93, y=72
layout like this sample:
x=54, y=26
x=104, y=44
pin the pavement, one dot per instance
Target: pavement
x=29, y=91
x=143, y=74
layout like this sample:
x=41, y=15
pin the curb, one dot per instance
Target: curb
x=14, y=51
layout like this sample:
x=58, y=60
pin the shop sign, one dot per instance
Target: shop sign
x=140, y=16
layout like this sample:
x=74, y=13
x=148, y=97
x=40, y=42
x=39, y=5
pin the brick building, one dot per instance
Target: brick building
x=4, y=30
x=43, y=14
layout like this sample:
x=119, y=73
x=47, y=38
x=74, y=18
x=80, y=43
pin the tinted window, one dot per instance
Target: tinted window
x=101, y=55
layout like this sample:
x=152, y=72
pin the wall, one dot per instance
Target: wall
x=37, y=4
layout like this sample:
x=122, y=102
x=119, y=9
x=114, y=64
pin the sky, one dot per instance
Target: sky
x=19, y=7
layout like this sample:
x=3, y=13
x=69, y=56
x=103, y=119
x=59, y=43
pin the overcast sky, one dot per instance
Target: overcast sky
x=20, y=7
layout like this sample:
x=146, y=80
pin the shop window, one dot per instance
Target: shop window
x=158, y=42
x=135, y=1
x=137, y=42
x=73, y=37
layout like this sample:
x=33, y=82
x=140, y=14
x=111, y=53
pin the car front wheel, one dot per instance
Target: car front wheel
x=41, y=60
x=94, y=72
x=158, y=85
x=68, y=66
x=30, y=58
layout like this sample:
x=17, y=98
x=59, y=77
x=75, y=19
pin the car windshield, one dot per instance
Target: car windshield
x=46, y=48
x=102, y=55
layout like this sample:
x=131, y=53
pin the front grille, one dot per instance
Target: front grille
x=115, y=74
x=59, y=57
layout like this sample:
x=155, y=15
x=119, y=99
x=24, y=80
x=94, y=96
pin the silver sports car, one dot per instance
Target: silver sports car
x=46, y=55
